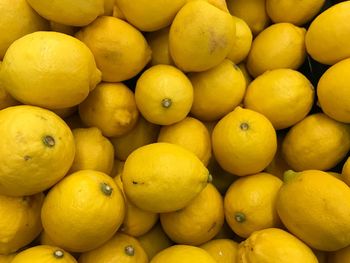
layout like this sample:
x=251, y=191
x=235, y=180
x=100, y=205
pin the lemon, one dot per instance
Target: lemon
x=120, y=50
x=119, y=249
x=191, y=134
x=217, y=91
x=45, y=239
x=143, y=133
x=195, y=45
x=108, y=7
x=47, y=254
x=332, y=91
x=340, y=256
x=221, y=4
x=7, y=258
x=150, y=15
x=274, y=245
x=65, y=29
x=278, y=46
x=222, y=250
x=244, y=142
x=164, y=95
x=199, y=221
x=83, y=211
x=159, y=43
x=57, y=71
x=312, y=140
x=36, y=149
x=6, y=100
x=331, y=29
x=313, y=206
x=20, y=221
x=284, y=96
x=93, y=151
x=252, y=12
x=346, y=171
x=163, y=177
x=77, y=13
x=111, y=107
x=117, y=12
x=245, y=72
x=183, y=254
x=296, y=12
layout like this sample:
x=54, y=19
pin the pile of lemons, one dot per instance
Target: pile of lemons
x=174, y=131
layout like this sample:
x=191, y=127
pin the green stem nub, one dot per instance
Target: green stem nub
x=244, y=126
x=129, y=250
x=210, y=178
x=106, y=189
x=239, y=217
x=166, y=103
x=49, y=141
x=289, y=175
x=58, y=254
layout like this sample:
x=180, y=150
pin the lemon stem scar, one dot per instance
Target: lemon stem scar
x=166, y=103
x=129, y=250
x=289, y=175
x=106, y=189
x=58, y=254
x=239, y=217
x=49, y=141
x=210, y=178
x=244, y=126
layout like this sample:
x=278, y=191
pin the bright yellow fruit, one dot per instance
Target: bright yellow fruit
x=92, y=151
x=274, y=245
x=244, y=142
x=47, y=254
x=314, y=206
x=163, y=177
x=221, y=4
x=199, y=221
x=20, y=221
x=346, y=172
x=222, y=250
x=36, y=149
x=159, y=43
x=195, y=45
x=317, y=142
x=340, y=256
x=7, y=258
x=278, y=46
x=183, y=254
x=150, y=15
x=120, y=50
x=83, y=211
x=119, y=249
x=111, y=107
x=284, y=96
x=57, y=71
x=217, y=91
x=332, y=30
x=191, y=134
x=332, y=91
x=164, y=95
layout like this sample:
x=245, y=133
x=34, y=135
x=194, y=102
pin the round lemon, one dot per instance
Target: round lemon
x=117, y=12
x=159, y=43
x=217, y=91
x=222, y=250
x=278, y=46
x=245, y=72
x=244, y=142
x=340, y=256
x=36, y=149
x=57, y=71
x=284, y=96
x=164, y=95
x=7, y=258
x=83, y=211
x=111, y=107
x=163, y=177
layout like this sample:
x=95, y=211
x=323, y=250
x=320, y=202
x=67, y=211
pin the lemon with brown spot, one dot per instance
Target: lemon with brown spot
x=222, y=250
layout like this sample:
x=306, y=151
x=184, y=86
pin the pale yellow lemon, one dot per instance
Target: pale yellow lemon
x=159, y=44
x=339, y=256
x=222, y=250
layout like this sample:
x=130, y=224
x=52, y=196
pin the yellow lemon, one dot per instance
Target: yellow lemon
x=250, y=204
x=47, y=254
x=155, y=241
x=245, y=72
x=20, y=221
x=163, y=177
x=195, y=45
x=13, y=28
x=117, y=12
x=274, y=245
x=332, y=91
x=222, y=250
x=296, y=12
x=217, y=91
x=199, y=221
x=44, y=239
x=183, y=254
x=159, y=43
x=108, y=7
x=221, y=4
x=164, y=95
x=7, y=258
x=191, y=134
x=278, y=46
x=36, y=149
x=346, y=172
x=57, y=71
x=77, y=13
x=69, y=30
x=313, y=206
x=244, y=142
x=83, y=211
x=142, y=134
x=150, y=15
x=111, y=107
x=331, y=29
x=284, y=96
x=304, y=145
x=340, y=256
x=120, y=50
x=252, y=12
x=119, y=249
x=93, y=151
